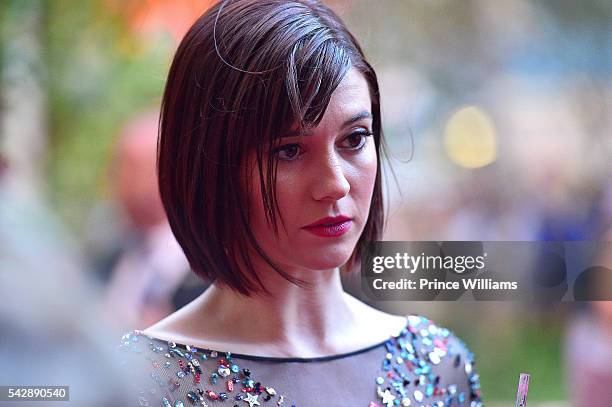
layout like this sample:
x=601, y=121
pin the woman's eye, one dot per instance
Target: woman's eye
x=356, y=141
x=288, y=152
x=353, y=142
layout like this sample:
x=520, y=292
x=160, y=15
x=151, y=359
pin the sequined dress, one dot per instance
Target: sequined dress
x=425, y=365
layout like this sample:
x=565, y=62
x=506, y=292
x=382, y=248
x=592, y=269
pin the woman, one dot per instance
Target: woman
x=269, y=171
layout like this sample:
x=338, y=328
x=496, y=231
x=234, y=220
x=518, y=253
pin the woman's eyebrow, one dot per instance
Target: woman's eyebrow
x=359, y=116
x=355, y=118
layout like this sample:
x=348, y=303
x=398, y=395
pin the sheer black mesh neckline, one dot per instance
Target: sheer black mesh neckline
x=277, y=359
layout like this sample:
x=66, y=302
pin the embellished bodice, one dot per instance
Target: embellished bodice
x=425, y=365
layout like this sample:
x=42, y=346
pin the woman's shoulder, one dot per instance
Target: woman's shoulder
x=439, y=362
x=436, y=342
x=421, y=325
x=178, y=374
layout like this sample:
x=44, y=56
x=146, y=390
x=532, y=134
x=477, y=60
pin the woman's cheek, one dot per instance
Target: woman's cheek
x=367, y=165
x=289, y=192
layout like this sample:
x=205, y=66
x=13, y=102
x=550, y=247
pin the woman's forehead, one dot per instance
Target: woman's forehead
x=353, y=89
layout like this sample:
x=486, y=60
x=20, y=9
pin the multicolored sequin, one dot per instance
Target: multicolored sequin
x=242, y=387
x=407, y=376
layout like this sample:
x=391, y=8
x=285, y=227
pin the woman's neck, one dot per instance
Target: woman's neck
x=317, y=319
x=292, y=319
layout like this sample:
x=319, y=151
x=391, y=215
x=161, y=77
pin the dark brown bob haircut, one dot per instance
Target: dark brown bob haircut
x=246, y=73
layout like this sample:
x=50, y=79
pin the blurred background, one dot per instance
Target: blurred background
x=498, y=118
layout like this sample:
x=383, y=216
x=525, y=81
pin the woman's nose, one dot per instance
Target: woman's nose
x=330, y=182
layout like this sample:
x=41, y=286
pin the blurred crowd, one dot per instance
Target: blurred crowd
x=141, y=266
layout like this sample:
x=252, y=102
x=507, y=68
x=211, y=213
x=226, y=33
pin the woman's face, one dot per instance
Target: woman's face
x=324, y=185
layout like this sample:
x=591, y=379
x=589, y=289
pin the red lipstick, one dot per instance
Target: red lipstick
x=330, y=226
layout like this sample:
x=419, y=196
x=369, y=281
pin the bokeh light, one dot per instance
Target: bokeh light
x=470, y=138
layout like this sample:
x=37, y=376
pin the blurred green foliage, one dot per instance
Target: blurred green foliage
x=521, y=341
x=99, y=74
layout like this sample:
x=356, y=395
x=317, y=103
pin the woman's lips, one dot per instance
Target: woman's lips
x=331, y=229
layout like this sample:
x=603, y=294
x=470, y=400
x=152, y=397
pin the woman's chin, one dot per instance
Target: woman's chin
x=326, y=261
